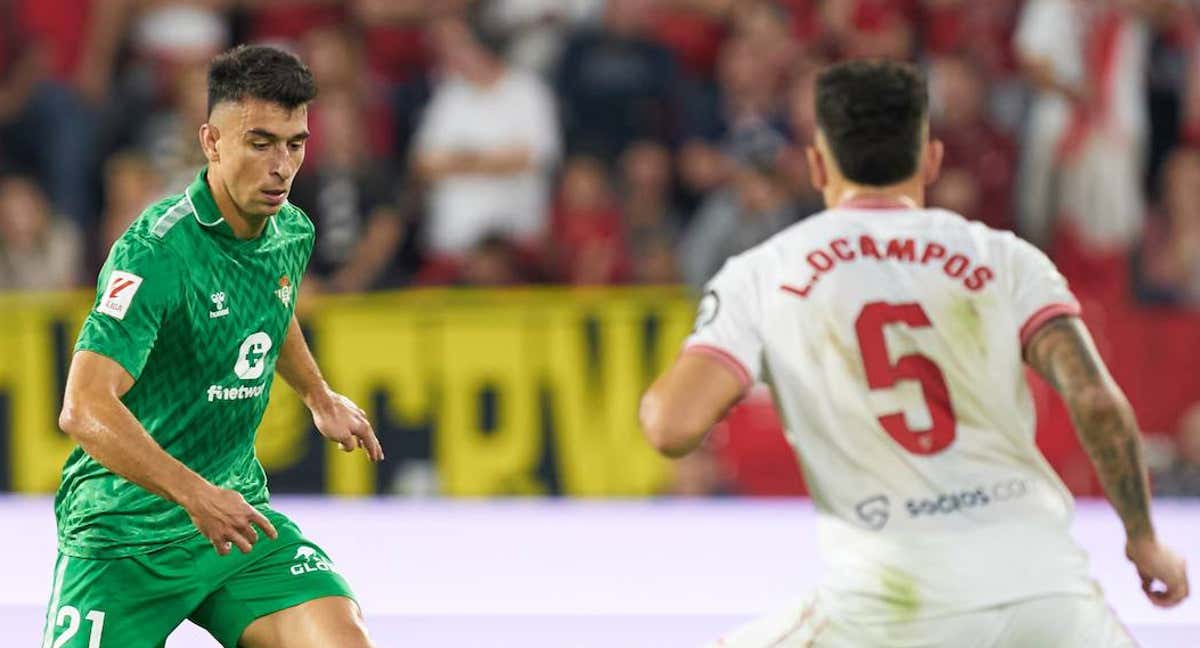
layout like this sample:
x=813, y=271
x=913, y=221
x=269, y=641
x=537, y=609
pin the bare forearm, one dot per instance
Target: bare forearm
x=1110, y=436
x=1042, y=75
x=681, y=407
x=505, y=162
x=437, y=165
x=109, y=432
x=298, y=367
x=1063, y=353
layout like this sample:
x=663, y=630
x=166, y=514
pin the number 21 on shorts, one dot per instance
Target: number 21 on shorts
x=69, y=616
x=882, y=373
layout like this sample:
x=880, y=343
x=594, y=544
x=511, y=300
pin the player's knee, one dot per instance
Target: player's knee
x=352, y=633
x=347, y=629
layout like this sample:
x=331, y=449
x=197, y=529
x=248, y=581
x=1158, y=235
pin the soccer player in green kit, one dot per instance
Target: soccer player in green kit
x=170, y=378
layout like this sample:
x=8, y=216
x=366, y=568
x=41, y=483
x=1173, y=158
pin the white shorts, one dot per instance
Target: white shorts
x=1061, y=621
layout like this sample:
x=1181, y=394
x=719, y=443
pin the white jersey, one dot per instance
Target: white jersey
x=892, y=339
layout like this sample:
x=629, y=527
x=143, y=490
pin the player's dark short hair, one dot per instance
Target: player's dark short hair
x=259, y=72
x=873, y=114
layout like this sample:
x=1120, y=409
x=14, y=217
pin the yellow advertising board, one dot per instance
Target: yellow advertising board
x=516, y=392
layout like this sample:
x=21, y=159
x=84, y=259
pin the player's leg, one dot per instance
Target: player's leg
x=329, y=621
x=290, y=596
x=132, y=602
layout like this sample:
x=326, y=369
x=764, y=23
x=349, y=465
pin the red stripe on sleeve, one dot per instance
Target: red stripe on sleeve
x=725, y=358
x=1043, y=315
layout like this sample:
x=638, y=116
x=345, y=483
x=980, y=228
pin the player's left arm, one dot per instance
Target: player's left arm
x=337, y=418
x=686, y=401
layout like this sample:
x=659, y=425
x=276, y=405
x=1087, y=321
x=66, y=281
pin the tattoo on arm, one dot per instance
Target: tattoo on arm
x=1062, y=352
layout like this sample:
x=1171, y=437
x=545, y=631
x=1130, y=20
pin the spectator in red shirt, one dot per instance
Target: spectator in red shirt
x=693, y=30
x=337, y=59
x=287, y=21
x=587, y=245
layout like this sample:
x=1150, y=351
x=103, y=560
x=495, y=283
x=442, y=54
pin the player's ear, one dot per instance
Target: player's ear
x=817, y=174
x=209, y=135
x=933, y=161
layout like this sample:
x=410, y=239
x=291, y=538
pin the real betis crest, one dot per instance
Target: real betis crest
x=284, y=293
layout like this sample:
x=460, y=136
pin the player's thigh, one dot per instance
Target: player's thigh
x=801, y=623
x=1065, y=622
x=132, y=602
x=329, y=621
x=292, y=573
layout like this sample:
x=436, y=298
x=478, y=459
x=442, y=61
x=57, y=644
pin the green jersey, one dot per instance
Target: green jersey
x=198, y=318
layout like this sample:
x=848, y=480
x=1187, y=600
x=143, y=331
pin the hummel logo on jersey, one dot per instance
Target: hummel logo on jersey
x=309, y=561
x=118, y=295
x=284, y=292
x=219, y=309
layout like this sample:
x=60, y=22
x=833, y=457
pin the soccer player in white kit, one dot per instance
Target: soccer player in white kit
x=895, y=339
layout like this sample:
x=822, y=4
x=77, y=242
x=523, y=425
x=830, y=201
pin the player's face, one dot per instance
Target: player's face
x=256, y=147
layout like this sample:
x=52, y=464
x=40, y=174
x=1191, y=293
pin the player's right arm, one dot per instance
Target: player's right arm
x=95, y=418
x=1062, y=352
x=719, y=363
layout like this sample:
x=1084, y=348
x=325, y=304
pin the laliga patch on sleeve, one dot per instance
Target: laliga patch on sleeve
x=118, y=295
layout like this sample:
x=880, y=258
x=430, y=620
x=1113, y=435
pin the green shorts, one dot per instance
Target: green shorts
x=136, y=601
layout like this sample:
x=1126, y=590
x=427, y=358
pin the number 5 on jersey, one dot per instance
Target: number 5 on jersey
x=883, y=374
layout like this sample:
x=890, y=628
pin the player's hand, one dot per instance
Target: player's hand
x=1163, y=572
x=346, y=424
x=224, y=517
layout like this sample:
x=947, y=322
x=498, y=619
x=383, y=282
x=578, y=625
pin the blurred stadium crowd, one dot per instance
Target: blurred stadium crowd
x=503, y=142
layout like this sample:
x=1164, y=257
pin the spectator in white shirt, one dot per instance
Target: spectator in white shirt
x=486, y=146
x=1084, y=158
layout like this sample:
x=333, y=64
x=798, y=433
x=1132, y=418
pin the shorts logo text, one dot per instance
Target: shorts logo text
x=309, y=561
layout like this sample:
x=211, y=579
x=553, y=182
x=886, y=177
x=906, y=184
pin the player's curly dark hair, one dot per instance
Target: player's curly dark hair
x=872, y=114
x=259, y=72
